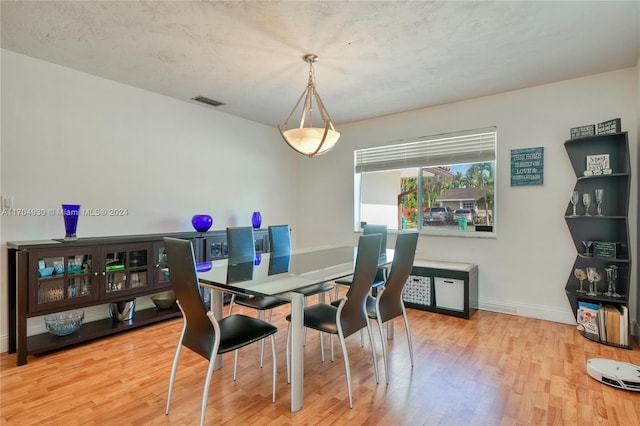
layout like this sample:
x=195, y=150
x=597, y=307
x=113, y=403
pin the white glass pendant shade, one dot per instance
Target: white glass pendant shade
x=307, y=140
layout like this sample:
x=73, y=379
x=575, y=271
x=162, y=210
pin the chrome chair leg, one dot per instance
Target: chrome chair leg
x=205, y=391
x=288, y=353
x=235, y=363
x=346, y=367
x=333, y=358
x=373, y=350
x=262, y=317
x=322, y=345
x=174, y=367
x=275, y=366
x=384, y=347
x=406, y=327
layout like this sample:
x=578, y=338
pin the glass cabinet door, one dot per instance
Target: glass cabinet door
x=51, y=280
x=126, y=271
x=79, y=276
x=62, y=278
x=161, y=267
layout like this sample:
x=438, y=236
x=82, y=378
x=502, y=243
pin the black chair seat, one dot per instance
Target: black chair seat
x=316, y=289
x=260, y=303
x=320, y=317
x=237, y=331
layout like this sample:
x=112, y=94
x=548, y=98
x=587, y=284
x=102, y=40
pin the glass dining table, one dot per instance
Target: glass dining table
x=283, y=276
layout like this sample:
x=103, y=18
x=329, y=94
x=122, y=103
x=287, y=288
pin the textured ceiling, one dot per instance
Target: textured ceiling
x=376, y=58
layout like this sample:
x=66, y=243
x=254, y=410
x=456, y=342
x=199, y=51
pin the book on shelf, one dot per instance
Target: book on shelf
x=624, y=325
x=588, y=318
x=602, y=323
x=612, y=327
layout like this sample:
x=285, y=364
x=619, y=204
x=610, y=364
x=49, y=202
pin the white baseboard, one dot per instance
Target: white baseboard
x=525, y=310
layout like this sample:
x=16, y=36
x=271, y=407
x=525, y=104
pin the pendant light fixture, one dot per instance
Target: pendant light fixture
x=310, y=140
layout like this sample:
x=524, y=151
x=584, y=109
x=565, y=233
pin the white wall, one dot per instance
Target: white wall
x=69, y=137
x=525, y=268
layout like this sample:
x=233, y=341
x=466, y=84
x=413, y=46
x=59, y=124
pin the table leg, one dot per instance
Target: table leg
x=390, y=330
x=216, y=306
x=297, y=352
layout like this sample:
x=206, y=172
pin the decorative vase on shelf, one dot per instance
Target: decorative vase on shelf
x=70, y=213
x=202, y=222
x=256, y=220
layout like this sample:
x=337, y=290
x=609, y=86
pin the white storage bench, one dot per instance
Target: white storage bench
x=445, y=287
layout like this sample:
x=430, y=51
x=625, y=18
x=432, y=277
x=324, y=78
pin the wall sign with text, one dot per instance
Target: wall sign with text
x=527, y=166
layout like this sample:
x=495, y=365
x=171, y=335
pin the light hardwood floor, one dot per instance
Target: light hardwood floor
x=494, y=369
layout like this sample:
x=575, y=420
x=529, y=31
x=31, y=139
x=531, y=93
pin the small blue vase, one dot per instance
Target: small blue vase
x=70, y=213
x=256, y=220
x=204, y=266
x=202, y=222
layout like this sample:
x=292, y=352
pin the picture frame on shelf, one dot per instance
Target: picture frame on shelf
x=582, y=131
x=597, y=165
x=609, y=126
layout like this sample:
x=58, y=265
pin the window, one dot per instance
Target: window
x=420, y=183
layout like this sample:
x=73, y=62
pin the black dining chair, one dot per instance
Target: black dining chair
x=388, y=303
x=381, y=273
x=350, y=315
x=201, y=331
x=241, y=249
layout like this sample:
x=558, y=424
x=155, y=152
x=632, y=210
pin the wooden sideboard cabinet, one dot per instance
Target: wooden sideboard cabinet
x=51, y=276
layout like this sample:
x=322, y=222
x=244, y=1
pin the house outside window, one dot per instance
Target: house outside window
x=420, y=183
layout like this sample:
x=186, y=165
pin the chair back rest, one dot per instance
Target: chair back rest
x=199, y=333
x=403, y=257
x=353, y=315
x=280, y=240
x=241, y=243
x=377, y=229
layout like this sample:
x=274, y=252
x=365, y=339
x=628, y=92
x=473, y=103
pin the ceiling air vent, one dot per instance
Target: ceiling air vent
x=207, y=101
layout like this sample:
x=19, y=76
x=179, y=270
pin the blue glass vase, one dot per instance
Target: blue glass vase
x=202, y=222
x=204, y=266
x=70, y=213
x=256, y=220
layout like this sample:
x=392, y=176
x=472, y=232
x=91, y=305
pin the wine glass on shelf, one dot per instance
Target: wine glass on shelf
x=599, y=195
x=610, y=271
x=574, y=201
x=594, y=278
x=612, y=277
x=586, y=200
x=581, y=275
x=587, y=246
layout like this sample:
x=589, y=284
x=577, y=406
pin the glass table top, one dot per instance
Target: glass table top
x=268, y=274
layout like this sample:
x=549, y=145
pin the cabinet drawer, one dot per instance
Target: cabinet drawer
x=449, y=293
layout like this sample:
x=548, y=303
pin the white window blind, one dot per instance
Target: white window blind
x=454, y=148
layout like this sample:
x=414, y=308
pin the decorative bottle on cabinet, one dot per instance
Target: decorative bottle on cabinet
x=597, y=217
